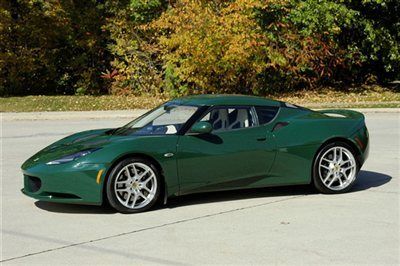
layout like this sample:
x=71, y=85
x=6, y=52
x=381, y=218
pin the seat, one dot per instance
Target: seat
x=219, y=119
x=171, y=129
x=242, y=119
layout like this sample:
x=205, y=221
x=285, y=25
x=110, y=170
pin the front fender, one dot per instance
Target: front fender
x=154, y=147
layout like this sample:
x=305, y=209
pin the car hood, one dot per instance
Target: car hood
x=72, y=144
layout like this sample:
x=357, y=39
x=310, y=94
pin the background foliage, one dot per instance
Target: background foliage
x=185, y=46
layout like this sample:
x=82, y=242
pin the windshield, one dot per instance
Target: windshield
x=164, y=120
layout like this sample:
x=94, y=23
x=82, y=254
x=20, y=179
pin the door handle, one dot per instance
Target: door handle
x=262, y=139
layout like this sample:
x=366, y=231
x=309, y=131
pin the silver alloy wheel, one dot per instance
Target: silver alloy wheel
x=337, y=168
x=135, y=185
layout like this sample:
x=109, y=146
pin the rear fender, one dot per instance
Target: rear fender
x=357, y=117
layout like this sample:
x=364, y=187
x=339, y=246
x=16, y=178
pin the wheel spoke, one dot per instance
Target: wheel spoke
x=146, y=188
x=134, y=170
x=340, y=154
x=141, y=194
x=147, y=180
x=340, y=180
x=122, y=182
x=345, y=175
x=128, y=197
x=329, y=161
x=143, y=174
x=128, y=174
x=326, y=167
x=347, y=168
x=344, y=162
x=332, y=180
x=327, y=176
x=135, y=197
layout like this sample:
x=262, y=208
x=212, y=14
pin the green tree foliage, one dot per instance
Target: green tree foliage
x=135, y=68
x=194, y=46
x=52, y=47
x=368, y=31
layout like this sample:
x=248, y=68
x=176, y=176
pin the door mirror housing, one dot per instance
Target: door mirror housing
x=201, y=128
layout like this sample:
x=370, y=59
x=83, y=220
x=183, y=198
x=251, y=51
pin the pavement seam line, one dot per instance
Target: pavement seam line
x=149, y=228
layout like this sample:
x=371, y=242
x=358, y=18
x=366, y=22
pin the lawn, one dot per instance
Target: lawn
x=376, y=97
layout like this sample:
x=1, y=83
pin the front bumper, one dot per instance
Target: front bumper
x=65, y=183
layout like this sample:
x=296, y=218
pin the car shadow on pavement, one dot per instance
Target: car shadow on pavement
x=239, y=194
x=74, y=208
x=366, y=180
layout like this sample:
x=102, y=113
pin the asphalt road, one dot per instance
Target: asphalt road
x=291, y=225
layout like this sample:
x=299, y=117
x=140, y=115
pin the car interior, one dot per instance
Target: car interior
x=229, y=118
x=220, y=118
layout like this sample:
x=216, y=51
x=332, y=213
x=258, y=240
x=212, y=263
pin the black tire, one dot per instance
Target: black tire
x=111, y=195
x=317, y=179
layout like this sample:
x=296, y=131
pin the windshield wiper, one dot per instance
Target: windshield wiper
x=112, y=131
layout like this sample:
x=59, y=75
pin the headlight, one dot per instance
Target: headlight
x=70, y=158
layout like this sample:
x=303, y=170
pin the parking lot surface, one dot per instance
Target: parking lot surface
x=290, y=225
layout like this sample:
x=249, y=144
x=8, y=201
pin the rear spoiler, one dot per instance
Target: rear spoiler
x=340, y=113
x=357, y=117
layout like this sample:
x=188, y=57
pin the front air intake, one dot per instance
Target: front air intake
x=33, y=184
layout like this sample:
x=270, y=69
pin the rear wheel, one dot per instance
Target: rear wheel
x=335, y=168
x=133, y=185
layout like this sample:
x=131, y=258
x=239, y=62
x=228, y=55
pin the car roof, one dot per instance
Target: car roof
x=225, y=99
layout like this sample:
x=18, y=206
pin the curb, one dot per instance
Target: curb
x=129, y=114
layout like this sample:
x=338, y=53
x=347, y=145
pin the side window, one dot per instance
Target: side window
x=265, y=114
x=228, y=118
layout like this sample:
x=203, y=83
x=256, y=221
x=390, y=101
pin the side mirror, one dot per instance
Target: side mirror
x=201, y=128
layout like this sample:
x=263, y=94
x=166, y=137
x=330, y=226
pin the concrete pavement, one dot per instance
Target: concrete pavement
x=291, y=225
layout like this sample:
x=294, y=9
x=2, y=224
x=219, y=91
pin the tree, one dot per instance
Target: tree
x=52, y=47
x=246, y=46
x=135, y=67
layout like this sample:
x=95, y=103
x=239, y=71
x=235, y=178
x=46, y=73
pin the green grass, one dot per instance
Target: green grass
x=371, y=97
x=77, y=103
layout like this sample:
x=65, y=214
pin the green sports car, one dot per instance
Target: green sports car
x=197, y=144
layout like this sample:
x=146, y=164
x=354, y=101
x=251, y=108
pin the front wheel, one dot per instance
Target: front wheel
x=335, y=168
x=133, y=185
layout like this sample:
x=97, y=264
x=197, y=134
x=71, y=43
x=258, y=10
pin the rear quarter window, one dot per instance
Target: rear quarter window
x=266, y=113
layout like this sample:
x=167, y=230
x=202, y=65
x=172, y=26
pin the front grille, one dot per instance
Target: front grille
x=32, y=184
